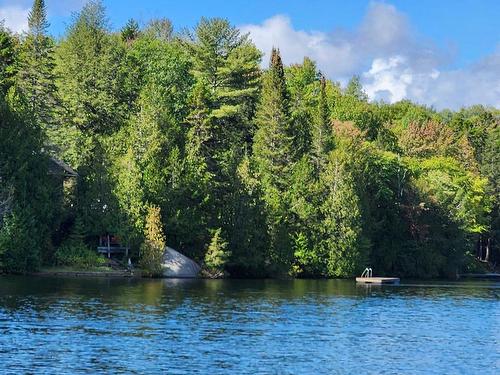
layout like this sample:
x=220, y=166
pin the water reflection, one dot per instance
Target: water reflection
x=52, y=325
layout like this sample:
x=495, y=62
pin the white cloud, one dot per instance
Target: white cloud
x=295, y=44
x=15, y=17
x=384, y=83
x=54, y=7
x=394, y=61
x=14, y=13
x=393, y=79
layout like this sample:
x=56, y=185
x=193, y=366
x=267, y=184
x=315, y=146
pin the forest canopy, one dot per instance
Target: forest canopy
x=257, y=172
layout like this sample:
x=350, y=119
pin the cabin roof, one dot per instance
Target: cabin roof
x=60, y=168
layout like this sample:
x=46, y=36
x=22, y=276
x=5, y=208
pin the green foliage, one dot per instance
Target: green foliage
x=355, y=89
x=297, y=175
x=35, y=79
x=78, y=256
x=151, y=253
x=322, y=136
x=341, y=226
x=75, y=253
x=217, y=254
x=130, y=31
x=23, y=176
x=20, y=251
x=306, y=259
x=273, y=147
x=159, y=28
x=91, y=74
x=7, y=59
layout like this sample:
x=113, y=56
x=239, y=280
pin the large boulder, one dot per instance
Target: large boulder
x=177, y=265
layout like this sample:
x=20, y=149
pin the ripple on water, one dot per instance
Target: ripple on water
x=237, y=326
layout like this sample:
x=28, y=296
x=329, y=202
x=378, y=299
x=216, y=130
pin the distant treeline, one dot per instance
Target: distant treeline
x=251, y=172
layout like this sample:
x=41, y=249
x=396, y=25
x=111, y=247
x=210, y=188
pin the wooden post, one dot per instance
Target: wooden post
x=109, y=248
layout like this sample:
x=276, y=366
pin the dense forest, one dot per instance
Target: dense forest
x=180, y=138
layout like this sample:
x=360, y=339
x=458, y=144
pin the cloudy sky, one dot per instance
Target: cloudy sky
x=442, y=53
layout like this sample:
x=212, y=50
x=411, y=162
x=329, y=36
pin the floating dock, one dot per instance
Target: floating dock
x=367, y=278
x=377, y=280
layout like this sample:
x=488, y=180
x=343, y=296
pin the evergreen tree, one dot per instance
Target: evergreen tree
x=25, y=194
x=272, y=153
x=355, y=89
x=342, y=246
x=130, y=31
x=226, y=69
x=91, y=74
x=92, y=83
x=322, y=138
x=217, y=255
x=7, y=59
x=35, y=79
x=273, y=142
x=302, y=83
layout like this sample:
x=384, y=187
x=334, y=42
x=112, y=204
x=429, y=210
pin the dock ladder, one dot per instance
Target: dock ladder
x=368, y=272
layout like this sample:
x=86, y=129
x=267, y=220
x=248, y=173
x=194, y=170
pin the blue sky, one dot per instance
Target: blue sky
x=441, y=53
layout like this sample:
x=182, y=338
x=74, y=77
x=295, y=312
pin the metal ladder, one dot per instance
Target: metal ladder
x=368, y=272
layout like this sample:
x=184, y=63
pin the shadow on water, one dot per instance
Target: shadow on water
x=41, y=292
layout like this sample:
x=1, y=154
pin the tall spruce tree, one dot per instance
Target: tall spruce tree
x=322, y=135
x=226, y=69
x=7, y=59
x=35, y=79
x=273, y=157
x=302, y=83
x=273, y=142
x=93, y=89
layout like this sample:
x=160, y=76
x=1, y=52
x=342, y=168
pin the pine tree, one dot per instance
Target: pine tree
x=130, y=31
x=322, y=137
x=302, y=83
x=273, y=158
x=217, y=255
x=226, y=69
x=226, y=63
x=273, y=143
x=35, y=79
x=7, y=59
x=355, y=89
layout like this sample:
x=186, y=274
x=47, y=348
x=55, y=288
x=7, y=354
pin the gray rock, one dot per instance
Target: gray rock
x=177, y=265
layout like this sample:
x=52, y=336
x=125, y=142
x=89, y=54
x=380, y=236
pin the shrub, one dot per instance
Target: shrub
x=217, y=255
x=151, y=252
x=19, y=243
x=77, y=254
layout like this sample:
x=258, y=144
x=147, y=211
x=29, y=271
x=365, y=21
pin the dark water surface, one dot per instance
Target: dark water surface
x=57, y=325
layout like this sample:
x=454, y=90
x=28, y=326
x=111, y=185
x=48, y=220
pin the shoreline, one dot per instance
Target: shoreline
x=87, y=273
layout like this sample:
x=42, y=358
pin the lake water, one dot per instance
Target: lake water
x=58, y=325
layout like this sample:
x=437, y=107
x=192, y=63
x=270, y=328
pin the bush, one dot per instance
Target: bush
x=306, y=259
x=217, y=256
x=151, y=252
x=19, y=243
x=77, y=254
